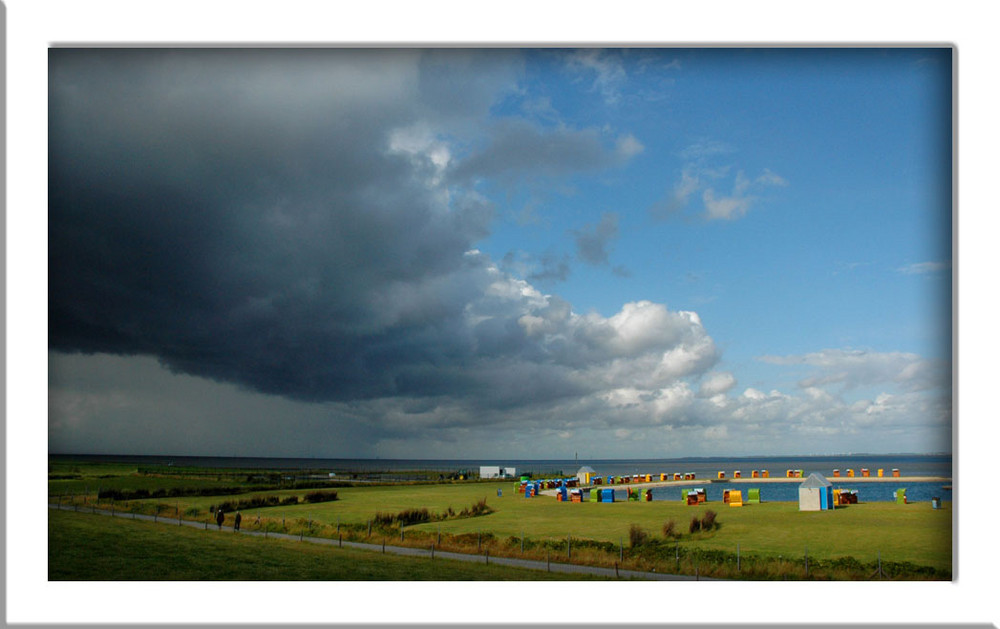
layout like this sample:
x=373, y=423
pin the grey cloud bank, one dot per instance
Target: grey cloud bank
x=274, y=252
x=246, y=217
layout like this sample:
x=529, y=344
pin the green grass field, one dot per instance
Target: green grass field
x=903, y=534
x=95, y=547
x=912, y=532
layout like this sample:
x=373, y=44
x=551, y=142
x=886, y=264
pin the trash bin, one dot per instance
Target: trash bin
x=935, y=503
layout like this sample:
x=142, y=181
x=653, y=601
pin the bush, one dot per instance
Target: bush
x=670, y=529
x=405, y=517
x=320, y=496
x=413, y=516
x=695, y=525
x=708, y=521
x=254, y=502
x=636, y=536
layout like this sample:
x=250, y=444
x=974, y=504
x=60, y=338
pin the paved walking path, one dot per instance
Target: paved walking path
x=402, y=550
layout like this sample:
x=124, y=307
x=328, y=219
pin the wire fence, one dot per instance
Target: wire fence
x=660, y=555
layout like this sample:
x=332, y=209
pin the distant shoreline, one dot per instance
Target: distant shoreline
x=487, y=460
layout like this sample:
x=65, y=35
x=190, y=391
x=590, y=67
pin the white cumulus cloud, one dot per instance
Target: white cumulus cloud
x=715, y=383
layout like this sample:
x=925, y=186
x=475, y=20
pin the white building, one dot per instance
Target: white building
x=584, y=474
x=495, y=471
x=816, y=494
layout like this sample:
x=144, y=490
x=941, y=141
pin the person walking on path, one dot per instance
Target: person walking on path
x=239, y=518
x=220, y=518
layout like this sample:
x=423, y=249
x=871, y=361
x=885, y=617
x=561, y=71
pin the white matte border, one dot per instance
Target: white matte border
x=32, y=25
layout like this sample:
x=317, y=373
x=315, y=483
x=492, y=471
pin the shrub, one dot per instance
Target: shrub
x=413, y=516
x=477, y=509
x=321, y=496
x=480, y=508
x=253, y=502
x=695, y=525
x=669, y=529
x=708, y=521
x=636, y=536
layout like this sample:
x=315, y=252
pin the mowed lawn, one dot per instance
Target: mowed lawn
x=914, y=532
x=97, y=547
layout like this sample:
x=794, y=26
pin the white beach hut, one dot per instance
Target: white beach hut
x=815, y=494
x=584, y=474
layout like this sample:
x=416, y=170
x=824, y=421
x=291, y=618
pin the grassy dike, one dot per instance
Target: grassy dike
x=86, y=547
x=761, y=541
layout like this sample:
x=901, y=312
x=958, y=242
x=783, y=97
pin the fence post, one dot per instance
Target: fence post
x=400, y=531
x=548, y=565
x=569, y=547
x=616, y=569
x=383, y=545
x=340, y=540
x=487, y=556
x=369, y=528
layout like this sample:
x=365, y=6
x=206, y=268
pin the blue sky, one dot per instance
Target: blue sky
x=858, y=145
x=501, y=252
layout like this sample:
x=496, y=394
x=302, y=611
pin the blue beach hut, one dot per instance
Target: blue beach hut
x=815, y=494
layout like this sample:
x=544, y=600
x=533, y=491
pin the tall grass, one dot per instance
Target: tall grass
x=677, y=555
x=636, y=536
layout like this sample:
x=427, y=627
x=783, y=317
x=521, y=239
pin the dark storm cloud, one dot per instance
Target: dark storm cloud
x=237, y=215
x=279, y=220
